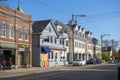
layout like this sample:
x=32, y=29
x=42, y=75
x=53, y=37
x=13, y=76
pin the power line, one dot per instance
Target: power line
x=50, y=8
x=104, y=14
x=94, y=18
x=99, y=19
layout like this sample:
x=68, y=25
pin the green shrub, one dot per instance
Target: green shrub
x=105, y=57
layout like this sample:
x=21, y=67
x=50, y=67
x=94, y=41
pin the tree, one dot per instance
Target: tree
x=105, y=57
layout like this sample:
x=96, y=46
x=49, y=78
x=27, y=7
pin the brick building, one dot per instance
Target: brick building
x=15, y=37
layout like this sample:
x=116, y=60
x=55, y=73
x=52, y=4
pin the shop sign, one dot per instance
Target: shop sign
x=21, y=49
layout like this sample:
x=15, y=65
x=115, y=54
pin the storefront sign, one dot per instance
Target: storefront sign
x=21, y=49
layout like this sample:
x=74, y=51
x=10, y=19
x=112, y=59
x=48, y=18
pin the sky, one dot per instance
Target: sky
x=102, y=16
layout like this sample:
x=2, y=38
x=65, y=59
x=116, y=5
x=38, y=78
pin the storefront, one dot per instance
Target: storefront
x=7, y=52
x=44, y=56
x=23, y=55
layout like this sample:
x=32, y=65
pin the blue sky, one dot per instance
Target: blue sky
x=102, y=16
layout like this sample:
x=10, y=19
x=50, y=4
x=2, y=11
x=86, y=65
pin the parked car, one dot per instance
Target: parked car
x=111, y=61
x=79, y=63
x=91, y=61
x=98, y=61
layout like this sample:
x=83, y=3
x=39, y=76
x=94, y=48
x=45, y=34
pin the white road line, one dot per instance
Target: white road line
x=86, y=70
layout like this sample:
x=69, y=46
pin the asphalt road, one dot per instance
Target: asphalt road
x=104, y=72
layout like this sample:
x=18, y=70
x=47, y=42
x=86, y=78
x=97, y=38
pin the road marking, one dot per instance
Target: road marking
x=86, y=69
x=43, y=75
x=99, y=70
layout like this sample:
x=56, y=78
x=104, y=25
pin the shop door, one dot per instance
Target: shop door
x=8, y=58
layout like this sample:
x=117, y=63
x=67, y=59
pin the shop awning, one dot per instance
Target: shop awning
x=45, y=49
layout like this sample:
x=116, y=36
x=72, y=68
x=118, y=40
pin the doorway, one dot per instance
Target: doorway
x=8, y=58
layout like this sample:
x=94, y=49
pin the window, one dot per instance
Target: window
x=76, y=32
x=60, y=41
x=55, y=40
x=51, y=39
x=66, y=43
x=3, y=29
x=55, y=56
x=49, y=29
x=26, y=33
x=51, y=55
x=80, y=34
x=61, y=56
x=20, y=32
x=83, y=36
x=63, y=41
x=11, y=31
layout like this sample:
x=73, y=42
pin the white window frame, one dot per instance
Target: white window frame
x=26, y=34
x=20, y=33
x=3, y=31
x=11, y=31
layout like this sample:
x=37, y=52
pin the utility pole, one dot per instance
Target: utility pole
x=114, y=45
x=103, y=35
x=73, y=24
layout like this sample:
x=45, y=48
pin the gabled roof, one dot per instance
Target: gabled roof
x=39, y=26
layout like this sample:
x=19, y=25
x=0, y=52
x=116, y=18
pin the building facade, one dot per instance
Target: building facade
x=46, y=34
x=96, y=49
x=89, y=45
x=79, y=43
x=15, y=37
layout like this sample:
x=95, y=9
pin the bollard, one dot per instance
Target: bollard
x=118, y=73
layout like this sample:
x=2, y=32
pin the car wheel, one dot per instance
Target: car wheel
x=81, y=64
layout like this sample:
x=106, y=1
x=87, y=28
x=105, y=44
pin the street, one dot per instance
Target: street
x=103, y=72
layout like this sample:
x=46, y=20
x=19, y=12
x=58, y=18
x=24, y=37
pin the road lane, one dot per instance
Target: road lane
x=104, y=72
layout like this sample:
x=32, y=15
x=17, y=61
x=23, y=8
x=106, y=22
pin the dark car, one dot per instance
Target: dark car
x=91, y=61
x=98, y=61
